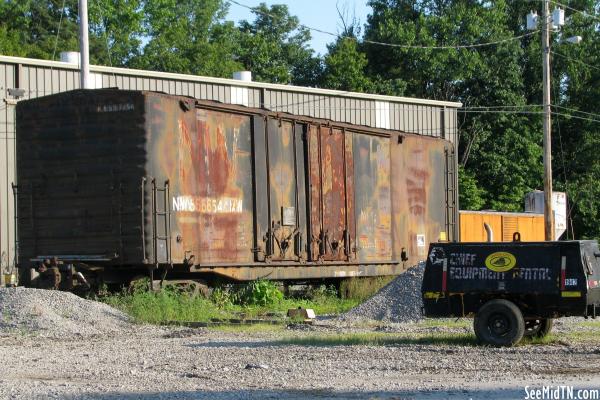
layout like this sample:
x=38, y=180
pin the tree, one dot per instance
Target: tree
x=345, y=66
x=44, y=28
x=275, y=47
x=116, y=29
x=500, y=153
x=31, y=28
x=187, y=36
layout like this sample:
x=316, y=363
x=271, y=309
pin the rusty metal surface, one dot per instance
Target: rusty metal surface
x=316, y=207
x=206, y=156
x=301, y=272
x=419, y=209
x=283, y=190
x=373, y=197
x=332, y=194
x=202, y=185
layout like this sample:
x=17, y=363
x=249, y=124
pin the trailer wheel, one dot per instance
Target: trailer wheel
x=499, y=323
x=538, y=328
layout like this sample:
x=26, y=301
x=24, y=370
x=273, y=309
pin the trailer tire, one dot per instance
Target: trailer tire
x=499, y=323
x=538, y=328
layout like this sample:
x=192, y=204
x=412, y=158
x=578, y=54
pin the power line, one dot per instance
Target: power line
x=507, y=109
x=584, y=13
x=395, y=45
x=466, y=46
x=496, y=107
x=575, y=117
x=501, y=112
x=62, y=11
x=577, y=111
x=564, y=167
x=531, y=112
x=574, y=60
x=105, y=34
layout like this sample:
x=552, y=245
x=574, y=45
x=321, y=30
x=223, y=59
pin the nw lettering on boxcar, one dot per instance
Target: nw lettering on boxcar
x=208, y=205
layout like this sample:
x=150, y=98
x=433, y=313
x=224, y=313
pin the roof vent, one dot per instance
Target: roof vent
x=245, y=76
x=71, y=57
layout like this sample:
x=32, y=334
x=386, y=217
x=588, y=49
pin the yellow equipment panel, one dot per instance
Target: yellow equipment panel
x=503, y=225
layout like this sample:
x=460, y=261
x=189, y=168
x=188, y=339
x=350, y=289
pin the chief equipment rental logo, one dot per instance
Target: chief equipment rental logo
x=500, y=261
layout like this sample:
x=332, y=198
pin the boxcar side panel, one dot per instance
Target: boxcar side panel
x=207, y=157
x=285, y=191
x=373, y=197
x=333, y=182
x=420, y=195
x=316, y=207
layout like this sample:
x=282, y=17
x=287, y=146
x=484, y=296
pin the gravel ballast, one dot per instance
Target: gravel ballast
x=57, y=345
x=51, y=313
x=176, y=363
x=398, y=301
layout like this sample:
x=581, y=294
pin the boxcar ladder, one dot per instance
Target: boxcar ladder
x=161, y=227
x=450, y=183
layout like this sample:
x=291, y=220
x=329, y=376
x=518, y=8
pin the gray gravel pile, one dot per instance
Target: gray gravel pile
x=51, y=313
x=399, y=301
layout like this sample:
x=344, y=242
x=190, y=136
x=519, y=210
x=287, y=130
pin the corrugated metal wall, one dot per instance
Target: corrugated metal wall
x=7, y=169
x=40, y=78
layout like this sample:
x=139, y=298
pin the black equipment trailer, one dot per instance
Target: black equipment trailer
x=512, y=289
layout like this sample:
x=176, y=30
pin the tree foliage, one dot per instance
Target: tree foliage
x=188, y=36
x=500, y=153
x=275, y=47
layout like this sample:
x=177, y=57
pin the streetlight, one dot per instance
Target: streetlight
x=549, y=22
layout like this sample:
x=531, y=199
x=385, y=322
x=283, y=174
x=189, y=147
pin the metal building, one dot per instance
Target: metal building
x=23, y=78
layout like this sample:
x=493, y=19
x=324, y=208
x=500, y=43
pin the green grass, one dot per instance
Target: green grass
x=446, y=323
x=394, y=339
x=250, y=328
x=166, y=305
x=381, y=339
x=590, y=324
x=582, y=336
x=548, y=339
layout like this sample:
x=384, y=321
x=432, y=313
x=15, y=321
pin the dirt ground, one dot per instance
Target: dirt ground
x=420, y=361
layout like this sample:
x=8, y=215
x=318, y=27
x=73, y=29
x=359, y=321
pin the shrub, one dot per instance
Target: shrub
x=260, y=293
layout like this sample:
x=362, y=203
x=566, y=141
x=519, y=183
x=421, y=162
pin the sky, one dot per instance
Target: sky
x=320, y=14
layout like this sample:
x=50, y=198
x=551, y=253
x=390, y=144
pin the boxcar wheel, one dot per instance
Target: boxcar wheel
x=538, y=328
x=499, y=322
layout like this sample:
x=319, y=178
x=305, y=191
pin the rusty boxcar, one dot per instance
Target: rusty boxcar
x=129, y=182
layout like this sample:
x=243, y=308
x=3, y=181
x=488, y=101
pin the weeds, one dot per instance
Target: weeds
x=251, y=301
x=166, y=305
x=360, y=289
x=260, y=293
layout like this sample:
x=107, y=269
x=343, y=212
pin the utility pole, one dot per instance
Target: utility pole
x=548, y=213
x=549, y=22
x=84, y=47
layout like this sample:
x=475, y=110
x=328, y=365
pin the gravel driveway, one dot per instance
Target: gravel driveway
x=145, y=362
